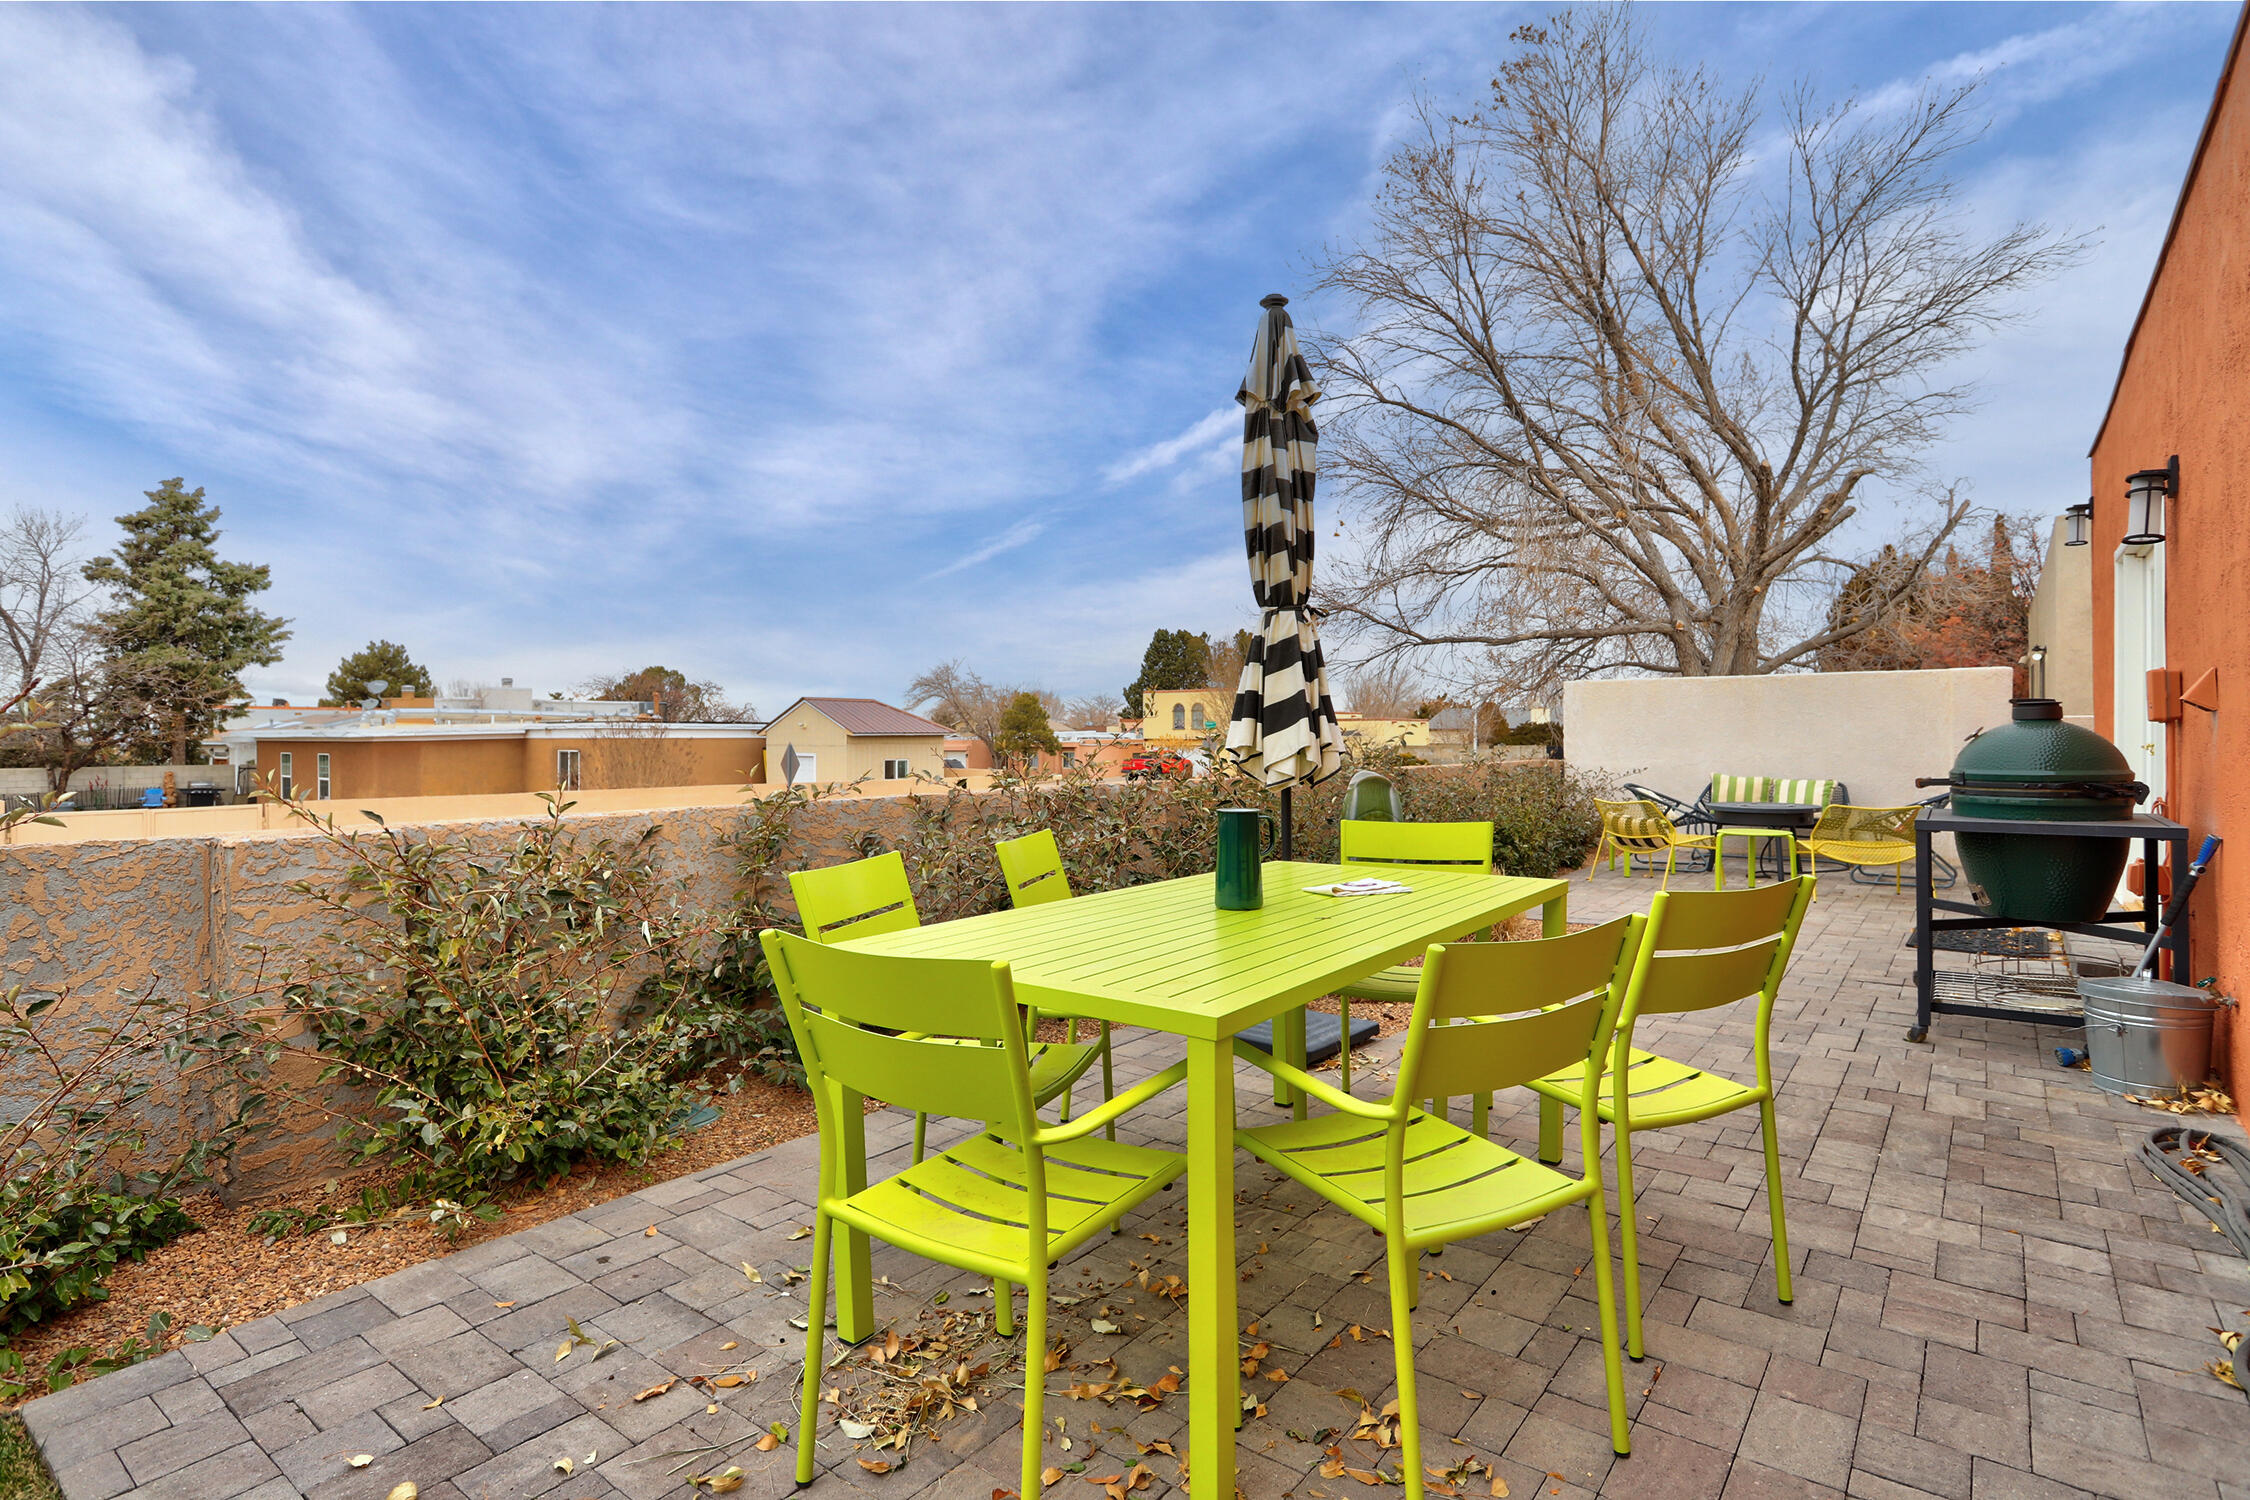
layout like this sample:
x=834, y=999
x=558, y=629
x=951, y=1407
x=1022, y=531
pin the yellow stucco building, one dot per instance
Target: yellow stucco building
x=1182, y=716
x=1366, y=729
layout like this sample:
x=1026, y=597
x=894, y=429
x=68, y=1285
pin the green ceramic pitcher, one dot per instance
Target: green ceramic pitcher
x=1239, y=857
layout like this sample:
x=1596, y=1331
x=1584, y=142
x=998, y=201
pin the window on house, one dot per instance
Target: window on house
x=566, y=770
x=1070, y=758
x=1179, y=716
x=288, y=768
x=320, y=776
x=895, y=770
x=1201, y=720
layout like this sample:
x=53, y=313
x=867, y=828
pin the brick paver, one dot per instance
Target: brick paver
x=1990, y=1304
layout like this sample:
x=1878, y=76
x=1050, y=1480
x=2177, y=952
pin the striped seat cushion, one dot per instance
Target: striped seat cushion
x=1658, y=829
x=1771, y=789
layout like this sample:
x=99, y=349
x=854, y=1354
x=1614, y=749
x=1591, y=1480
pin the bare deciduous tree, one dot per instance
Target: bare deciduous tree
x=1628, y=359
x=43, y=589
x=954, y=695
x=1387, y=690
x=1094, y=711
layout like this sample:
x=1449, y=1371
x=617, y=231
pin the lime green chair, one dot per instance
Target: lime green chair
x=1033, y=869
x=1456, y=846
x=1421, y=1181
x=871, y=896
x=1704, y=949
x=1007, y=1202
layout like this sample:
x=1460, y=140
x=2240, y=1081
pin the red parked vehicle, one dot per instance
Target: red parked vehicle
x=1157, y=763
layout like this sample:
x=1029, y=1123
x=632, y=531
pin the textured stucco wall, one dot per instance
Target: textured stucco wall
x=2062, y=620
x=2183, y=390
x=1875, y=731
x=215, y=915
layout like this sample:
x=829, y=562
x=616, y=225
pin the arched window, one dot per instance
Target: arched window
x=1179, y=716
x=1201, y=720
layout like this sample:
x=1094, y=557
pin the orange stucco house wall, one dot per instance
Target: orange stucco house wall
x=2184, y=388
x=470, y=765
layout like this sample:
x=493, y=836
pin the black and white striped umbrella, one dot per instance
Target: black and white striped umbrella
x=1283, y=728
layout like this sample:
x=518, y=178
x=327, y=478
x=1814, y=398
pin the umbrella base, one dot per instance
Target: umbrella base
x=1323, y=1034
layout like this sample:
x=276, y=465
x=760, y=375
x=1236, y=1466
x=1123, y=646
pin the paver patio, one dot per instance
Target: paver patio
x=1990, y=1303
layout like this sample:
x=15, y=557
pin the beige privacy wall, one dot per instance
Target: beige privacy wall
x=1874, y=731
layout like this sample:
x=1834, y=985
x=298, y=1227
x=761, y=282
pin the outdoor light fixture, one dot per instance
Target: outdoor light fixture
x=2145, y=494
x=2038, y=673
x=2078, y=524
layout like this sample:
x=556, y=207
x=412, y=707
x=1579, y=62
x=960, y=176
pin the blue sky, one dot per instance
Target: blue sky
x=804, y=348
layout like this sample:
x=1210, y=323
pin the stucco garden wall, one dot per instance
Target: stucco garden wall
x=214, y=915
x=1875, y=731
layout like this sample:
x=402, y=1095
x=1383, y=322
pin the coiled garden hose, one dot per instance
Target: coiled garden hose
x=2209, y=1171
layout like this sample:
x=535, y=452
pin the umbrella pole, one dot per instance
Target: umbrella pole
x=1288, y=796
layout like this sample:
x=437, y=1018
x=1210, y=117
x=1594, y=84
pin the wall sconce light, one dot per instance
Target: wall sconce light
x=2037, y=658
x=2145, y=494
x=2078, y=524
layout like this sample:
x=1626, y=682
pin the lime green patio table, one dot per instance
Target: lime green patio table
x=1163, y=957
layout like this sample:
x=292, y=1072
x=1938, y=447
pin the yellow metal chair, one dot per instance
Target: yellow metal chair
x=872, y=896
x=1408, y=846
x=1639, y=827
x=1867, y=837
x=1009, y=1201
x=1421, y=1181
x=1703, y=949
x=1033, y=868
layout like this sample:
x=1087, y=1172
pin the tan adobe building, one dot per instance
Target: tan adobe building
x=360, y=761
x=843, y=739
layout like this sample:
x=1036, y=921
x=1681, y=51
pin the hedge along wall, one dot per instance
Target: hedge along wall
x=215, y=915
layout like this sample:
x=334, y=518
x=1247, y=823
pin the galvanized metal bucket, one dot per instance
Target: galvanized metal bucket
x=2147, y=1035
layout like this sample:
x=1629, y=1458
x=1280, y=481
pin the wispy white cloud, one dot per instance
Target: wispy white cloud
x=1220, y=433
x=1015, y=536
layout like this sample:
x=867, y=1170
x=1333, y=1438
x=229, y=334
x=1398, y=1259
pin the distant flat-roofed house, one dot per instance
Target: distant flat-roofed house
x=842, y=739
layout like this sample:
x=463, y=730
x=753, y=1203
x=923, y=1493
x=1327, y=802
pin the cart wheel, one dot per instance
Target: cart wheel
x=1917, y=1033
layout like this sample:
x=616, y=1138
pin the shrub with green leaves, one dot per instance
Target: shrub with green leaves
x=509, y=1011
x=119, y=1105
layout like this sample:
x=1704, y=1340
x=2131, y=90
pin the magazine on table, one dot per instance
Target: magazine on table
x=1367, y=887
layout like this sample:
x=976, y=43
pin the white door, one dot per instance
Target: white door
x=2138, y=639
x=808, y=766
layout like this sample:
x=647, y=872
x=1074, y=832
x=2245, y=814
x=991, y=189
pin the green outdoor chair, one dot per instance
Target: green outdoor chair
x=1421, y=1181
x=1704, y=949
x=871, y=896
x=1033, y=868
x=1007, y=1202
x=1413, y=845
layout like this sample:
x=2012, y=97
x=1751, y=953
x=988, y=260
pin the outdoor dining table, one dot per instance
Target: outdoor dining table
x=1162, y=956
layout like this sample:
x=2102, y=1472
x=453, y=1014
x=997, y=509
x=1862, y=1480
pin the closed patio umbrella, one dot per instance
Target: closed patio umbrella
x=1283, y=727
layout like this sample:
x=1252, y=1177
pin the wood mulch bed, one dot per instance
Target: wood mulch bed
x=223, y=1274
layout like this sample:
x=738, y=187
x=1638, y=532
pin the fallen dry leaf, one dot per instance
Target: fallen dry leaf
x=360, y=1460
x=649, y=1233
x=656, y=1390
x=801, y=1232
x=876, y=1465
x=405, y=1490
